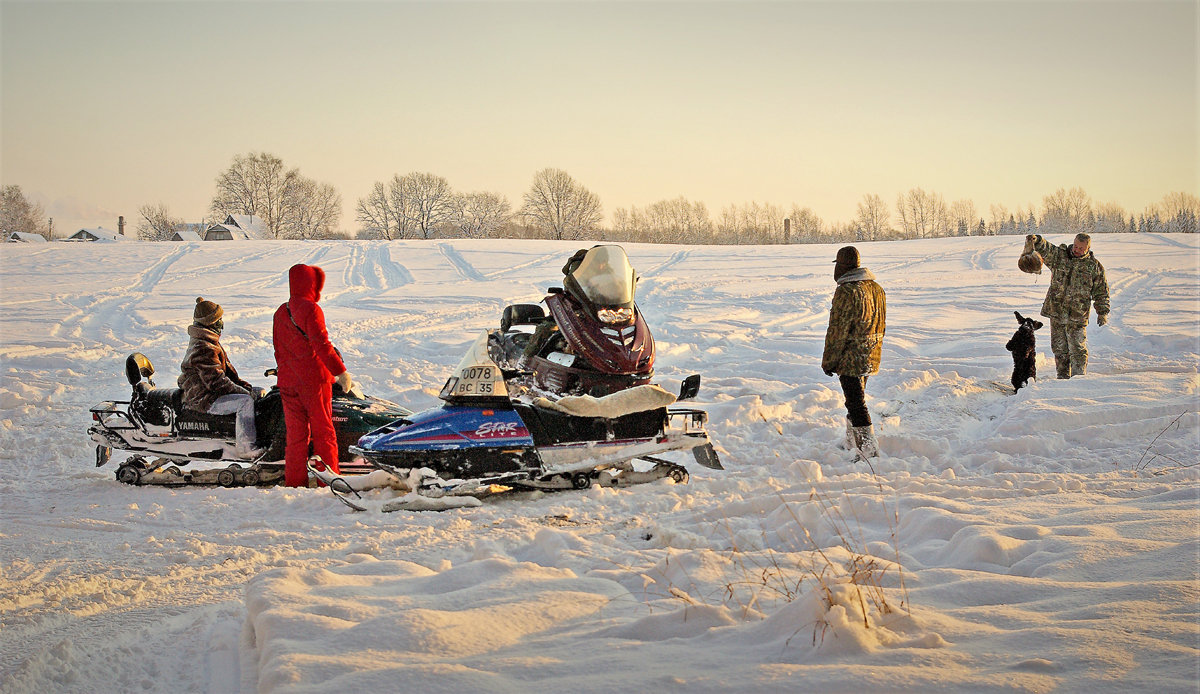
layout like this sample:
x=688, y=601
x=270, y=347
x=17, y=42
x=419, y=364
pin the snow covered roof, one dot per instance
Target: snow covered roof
x=225, y=232
x=26, y=237
x=186, y=236
x=98, y=234
x=253, y=225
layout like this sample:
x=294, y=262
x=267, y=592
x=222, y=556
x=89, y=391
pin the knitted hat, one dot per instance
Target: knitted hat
x=206, y=312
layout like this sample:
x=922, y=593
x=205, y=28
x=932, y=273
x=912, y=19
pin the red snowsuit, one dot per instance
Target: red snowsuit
x=307, y=365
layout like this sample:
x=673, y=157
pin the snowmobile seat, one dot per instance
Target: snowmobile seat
x=157, y=406
x=548, y=427
x=521, y=314
x=166, y=397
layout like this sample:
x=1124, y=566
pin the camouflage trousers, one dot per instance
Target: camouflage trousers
x=1068, y=341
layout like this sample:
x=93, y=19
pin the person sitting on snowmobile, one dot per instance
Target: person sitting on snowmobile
x=209, y=381
x=307, y=366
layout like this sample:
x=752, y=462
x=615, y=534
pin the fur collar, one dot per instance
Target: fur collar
x=201, y=333
x=858, y=274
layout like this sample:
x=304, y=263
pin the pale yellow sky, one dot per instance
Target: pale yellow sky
x=106, y=106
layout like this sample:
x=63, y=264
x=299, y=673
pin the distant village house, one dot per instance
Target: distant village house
x=237, y=227
x=25, y=237
x=97, y=234
x=186, y=235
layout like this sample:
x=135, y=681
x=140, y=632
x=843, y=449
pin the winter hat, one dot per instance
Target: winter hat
x=847, y=259
x=206, y=312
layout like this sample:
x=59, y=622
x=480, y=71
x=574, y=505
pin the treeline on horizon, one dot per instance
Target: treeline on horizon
x=421, y=205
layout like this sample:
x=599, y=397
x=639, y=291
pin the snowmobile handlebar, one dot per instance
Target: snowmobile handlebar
x=354, y=392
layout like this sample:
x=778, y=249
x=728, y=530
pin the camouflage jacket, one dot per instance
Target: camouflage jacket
x=1075, y=283
x=857, y=320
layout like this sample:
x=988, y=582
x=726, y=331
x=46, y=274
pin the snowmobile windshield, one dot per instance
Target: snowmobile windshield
x=606, y=277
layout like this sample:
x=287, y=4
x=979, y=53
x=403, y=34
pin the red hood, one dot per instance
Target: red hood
x=306, y=282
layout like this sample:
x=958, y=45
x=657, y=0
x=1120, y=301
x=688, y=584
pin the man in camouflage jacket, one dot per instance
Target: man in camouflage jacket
x=854, y=343
x=1076, y=282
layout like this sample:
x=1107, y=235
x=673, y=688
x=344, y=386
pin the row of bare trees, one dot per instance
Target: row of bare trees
x=424, y=205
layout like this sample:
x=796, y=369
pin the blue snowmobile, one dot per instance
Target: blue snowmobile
x=502, y=426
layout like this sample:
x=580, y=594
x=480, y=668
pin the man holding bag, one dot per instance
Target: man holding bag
x=307, y=363
x=1076, y=282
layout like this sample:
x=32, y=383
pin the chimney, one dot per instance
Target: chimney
x=121, y=225
x=787, y=230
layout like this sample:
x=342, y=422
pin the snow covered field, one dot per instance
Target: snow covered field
x=1047, y=541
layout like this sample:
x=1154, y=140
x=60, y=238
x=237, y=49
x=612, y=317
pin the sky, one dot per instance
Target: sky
x=109, y=106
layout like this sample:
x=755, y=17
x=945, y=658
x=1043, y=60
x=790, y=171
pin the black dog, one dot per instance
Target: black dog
x=1024, y=351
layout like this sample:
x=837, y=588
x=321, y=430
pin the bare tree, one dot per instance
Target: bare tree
x=922, y=214
x=316, y=209
x=560, y=206
x=18, y=213
x=1066, y=211
x=962, y=216
x=398, y=194
x=1110, y=219
x=807, y=227
x=873, y=218
x=156, y=223
x=630, y=224
x=290, y=205
x=430, y=202
x=481, y=215
x=375, y=215
x=1000, y=217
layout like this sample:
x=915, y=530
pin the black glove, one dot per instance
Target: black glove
x=828, y=373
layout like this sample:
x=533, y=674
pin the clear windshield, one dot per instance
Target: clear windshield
x=606, y=276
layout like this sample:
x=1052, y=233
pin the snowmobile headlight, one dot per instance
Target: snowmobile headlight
x=615, y=315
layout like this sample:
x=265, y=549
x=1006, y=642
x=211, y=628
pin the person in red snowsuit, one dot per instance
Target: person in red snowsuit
x=307, y=363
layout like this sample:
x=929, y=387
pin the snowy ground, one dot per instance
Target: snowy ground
x=1046, y=541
